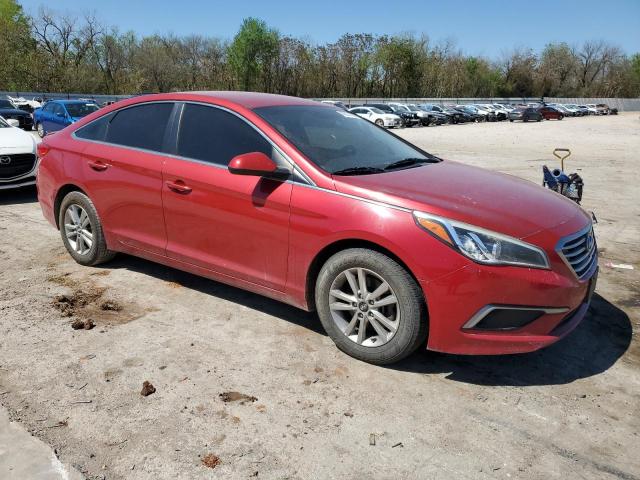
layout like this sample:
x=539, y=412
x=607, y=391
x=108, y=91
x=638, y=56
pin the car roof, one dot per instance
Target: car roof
x=252, y=100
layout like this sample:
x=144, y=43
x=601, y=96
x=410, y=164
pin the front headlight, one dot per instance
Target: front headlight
x=480, y=245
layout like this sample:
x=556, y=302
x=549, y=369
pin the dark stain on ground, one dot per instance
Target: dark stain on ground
x=87, y=302
x=237, y=397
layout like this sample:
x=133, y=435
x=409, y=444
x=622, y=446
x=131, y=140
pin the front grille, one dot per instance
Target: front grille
x=580, y=251
x=12, y=166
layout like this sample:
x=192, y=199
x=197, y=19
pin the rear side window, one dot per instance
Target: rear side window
x=216, y=136
x=142, y=126
x=96, y=130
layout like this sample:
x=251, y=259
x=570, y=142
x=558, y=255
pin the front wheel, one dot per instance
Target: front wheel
x=560, y=117
x=370, y=306
x=81, y=230
x=379, y=122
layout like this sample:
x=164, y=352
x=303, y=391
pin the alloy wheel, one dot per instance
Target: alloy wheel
x=78, y=230
x=40, y=130
x=364, y=307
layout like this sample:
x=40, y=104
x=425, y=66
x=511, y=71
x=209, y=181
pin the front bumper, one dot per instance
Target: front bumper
x=457, y=298
x=18, y=183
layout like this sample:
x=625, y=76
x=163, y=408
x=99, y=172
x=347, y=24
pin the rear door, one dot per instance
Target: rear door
x=232, y=224
x=122, y=168
x=46, y=115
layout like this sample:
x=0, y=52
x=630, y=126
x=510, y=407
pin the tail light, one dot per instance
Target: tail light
x=42, y=149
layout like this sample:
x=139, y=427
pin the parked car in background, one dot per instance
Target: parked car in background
x=577, y=112
x=452, y=117
x=426, y=118
x=394, y=248
x=24, y=104
x=472, y=112
x=336, y=103
x=498, y=112
x=488, y=116
x=57, y=114
x=586, y=110
x=566, y=111
x=9, y=111
x=409, y=117
x=526, y=114
x=593, y=109
x=549, y=113
x=377, y=116
x=17, y=156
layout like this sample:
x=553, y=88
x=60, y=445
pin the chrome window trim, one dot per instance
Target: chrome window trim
x=487, y=309
x=181, y=104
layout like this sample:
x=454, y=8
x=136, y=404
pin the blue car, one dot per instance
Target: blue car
x=57, y=114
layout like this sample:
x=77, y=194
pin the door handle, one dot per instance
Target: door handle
x=98, y=166
x=179, y=187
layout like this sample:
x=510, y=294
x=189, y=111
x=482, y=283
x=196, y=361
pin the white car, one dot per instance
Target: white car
x=593, y=110
x=377, y=116
x=21, y=101
x=18, y=159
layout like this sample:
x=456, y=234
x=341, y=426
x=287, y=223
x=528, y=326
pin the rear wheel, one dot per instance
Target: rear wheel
x=560, y=117
x=370, y=306
x=40, y=130
x=81, y=230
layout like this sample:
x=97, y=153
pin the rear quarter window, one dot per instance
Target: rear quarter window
x=96, y=130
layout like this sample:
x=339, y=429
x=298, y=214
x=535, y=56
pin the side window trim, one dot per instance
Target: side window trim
x=176, y=119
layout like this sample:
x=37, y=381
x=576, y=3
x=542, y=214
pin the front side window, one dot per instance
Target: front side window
x=215, y=136
x=141, y=126
x=336, y=140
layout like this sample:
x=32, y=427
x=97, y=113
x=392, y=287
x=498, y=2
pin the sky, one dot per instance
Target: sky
x=485, y=28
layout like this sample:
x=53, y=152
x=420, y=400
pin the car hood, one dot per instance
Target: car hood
x=12, y=111
x=14, y=140
x=495, y=201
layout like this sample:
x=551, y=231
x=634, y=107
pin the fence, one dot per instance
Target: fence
x=622, y=104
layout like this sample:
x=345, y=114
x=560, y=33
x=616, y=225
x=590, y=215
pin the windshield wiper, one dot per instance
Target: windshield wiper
x=358, y=171
x=409, y=162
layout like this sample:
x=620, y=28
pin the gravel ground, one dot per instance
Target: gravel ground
x=250, y=388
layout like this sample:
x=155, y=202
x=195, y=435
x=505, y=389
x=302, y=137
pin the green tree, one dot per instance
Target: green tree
x=252, y=52
x=16, y=46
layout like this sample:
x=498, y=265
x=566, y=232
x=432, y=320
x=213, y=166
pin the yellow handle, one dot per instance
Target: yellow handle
x=562, y=157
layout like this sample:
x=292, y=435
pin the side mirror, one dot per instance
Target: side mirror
x=257, y=164
x=13, y=122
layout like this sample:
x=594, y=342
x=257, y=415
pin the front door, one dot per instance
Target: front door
x=233, y=224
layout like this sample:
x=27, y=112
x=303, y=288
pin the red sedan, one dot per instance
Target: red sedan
x=311, y=205
x=549, y=113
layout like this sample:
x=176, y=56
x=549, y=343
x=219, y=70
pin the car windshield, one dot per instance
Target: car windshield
x=339, y=141
x=6, y=104
x=81, y=109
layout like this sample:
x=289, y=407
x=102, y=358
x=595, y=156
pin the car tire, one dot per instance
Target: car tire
x=511, y=120
x=81, y=230
x=343, y=324
x=560, y=117
x=40, y=130
x=538, y=120
x=379, y=122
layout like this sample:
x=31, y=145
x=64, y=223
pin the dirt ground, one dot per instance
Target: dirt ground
x=250, y=388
